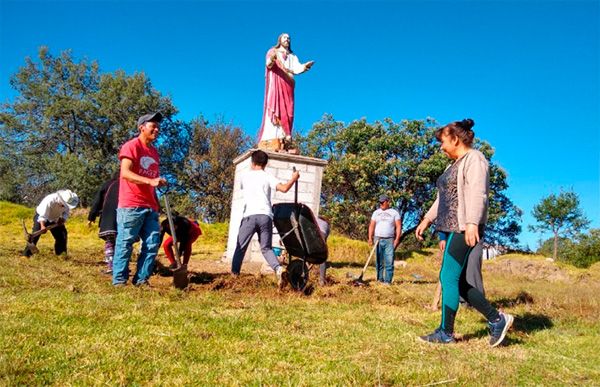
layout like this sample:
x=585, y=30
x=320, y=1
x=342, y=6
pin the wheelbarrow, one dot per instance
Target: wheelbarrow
x=302, y=239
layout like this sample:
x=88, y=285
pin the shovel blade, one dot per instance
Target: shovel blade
x=180, y=277
x=32, y=248
x=359, y=282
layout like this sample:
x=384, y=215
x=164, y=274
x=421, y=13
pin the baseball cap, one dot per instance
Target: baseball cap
x=383, y=198
x=156, y=117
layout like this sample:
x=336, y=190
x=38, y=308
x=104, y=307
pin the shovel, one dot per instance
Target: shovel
x=180, y=274
x=359, y=281
x=29, y=237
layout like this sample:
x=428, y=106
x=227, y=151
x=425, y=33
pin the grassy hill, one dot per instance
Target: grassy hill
x=61, y=322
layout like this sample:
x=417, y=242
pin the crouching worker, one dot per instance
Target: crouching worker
x=186, y=232
x=51, y=214
x=257, y=186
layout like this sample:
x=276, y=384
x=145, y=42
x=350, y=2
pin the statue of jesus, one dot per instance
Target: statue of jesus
x=278, y=110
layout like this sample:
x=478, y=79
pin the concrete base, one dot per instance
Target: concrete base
x=281, y=166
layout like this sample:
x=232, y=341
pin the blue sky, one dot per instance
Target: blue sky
x=527, y=72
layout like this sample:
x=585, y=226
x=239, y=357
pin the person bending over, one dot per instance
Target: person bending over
x=51, y=214
x=187, y=232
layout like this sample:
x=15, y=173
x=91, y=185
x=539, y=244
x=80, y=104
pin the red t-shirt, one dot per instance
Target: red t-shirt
x=144, y=163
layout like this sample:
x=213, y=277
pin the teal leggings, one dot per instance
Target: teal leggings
x=455, y=285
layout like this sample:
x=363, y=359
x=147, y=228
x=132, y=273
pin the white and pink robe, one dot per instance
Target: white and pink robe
x=278, y=110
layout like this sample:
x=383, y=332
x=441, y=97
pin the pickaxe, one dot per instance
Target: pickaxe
x=29, y=237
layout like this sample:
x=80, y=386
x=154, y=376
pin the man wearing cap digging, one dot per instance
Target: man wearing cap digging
x=137, y=212
x=51, y=214
x=385, y=227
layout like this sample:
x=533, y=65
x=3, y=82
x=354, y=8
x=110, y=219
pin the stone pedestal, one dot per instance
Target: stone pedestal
x=281, y=166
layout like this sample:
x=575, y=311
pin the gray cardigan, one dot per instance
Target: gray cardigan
x=473, y=188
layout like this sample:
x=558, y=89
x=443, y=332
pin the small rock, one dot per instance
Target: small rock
x=73, y=288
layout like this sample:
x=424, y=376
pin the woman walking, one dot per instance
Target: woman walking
x=460, y=211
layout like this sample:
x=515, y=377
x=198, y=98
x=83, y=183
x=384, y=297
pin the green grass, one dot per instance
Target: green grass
x=61, y=322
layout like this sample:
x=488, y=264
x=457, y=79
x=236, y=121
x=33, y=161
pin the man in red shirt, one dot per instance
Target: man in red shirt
x=137, y=212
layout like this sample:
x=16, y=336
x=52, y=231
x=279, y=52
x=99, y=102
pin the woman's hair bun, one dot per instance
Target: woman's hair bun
x=467, y=123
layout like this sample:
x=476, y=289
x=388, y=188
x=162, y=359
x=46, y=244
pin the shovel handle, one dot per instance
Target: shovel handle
x=369, y=259
x=29, y=236
x=172, y=227
x=296, y=219
x=295, y=188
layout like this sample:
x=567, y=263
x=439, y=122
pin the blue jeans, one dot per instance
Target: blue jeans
x=132, y=222
x=385, y=260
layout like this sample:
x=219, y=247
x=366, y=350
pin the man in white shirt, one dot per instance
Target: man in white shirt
x=257, y=186
x=386, y=228
x=53, y=211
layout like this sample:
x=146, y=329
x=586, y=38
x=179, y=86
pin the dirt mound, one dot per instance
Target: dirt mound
x=531, y=269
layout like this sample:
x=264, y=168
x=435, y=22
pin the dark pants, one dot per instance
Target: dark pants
x=263, y=225
x=454, y=283
x=59, y=233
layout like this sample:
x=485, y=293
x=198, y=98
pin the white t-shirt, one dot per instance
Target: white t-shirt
x=257, y=187
x=385, y=222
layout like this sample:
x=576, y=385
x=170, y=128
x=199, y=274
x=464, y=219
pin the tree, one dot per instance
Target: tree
x=587, y=250
x=561, y=215
x=582, y=251
x=401, y=160
x=563, y=247
x=205, y=179
x=68, y=122
x=9, y=190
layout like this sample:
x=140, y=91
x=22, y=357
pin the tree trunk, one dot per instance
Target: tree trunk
x=554, y=253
